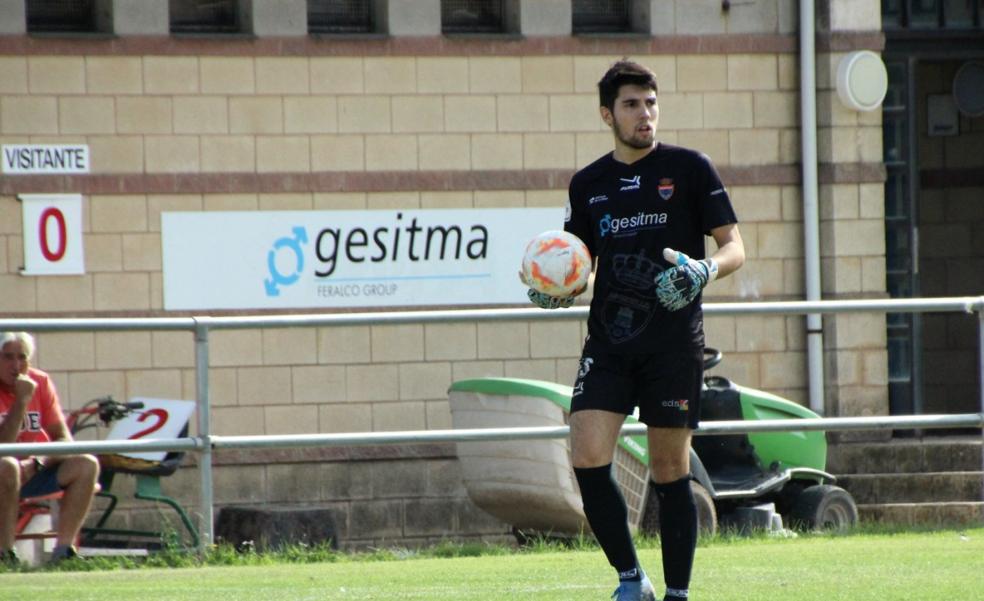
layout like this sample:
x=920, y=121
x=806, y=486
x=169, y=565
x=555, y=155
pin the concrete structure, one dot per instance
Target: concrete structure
x=285, y=121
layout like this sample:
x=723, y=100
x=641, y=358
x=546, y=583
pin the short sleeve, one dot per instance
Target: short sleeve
x=576, y=218
x=715, y=203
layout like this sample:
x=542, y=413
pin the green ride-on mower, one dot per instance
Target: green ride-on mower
x=742, y=481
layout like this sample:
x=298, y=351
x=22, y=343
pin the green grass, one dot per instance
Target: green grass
x=923, y=566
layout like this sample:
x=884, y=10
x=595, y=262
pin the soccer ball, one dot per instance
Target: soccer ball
x=556, y=263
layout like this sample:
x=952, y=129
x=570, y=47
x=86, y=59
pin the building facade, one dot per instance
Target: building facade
x=262, y=109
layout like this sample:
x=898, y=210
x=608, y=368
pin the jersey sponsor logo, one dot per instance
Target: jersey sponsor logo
x=599, y=198
x=665, y=188
x=631, y=183
x=626, y=226
x=681, y=404
x=625, y=316
x=582, y=371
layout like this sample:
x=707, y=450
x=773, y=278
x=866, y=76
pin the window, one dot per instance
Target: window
x=340, y=16
x=932, y=14
x=472, y=16
x=61, y=15
x=204, y=16
x=601, y=16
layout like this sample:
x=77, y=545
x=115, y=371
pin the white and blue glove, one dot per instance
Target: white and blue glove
x=679, y=285
x=545, y=301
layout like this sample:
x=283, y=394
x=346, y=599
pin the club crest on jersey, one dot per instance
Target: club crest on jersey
x=665, y=188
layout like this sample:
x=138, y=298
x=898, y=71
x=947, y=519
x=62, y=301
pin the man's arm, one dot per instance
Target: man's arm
x=23, y=391
x=730, y=253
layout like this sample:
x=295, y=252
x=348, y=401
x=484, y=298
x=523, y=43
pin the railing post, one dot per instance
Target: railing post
x=207, y=532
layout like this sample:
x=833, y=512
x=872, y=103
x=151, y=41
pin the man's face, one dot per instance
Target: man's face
x=634, y=116
x=13, y=361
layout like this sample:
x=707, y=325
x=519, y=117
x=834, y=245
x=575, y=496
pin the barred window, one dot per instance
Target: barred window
x=340, y=16
x=61, y=15
x=204, y=16
x=601, y=16
x=472, y=16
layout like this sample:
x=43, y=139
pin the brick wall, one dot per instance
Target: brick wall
x=416, y=122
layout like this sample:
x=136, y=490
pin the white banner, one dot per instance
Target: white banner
x=308, y=259
x=52, y=234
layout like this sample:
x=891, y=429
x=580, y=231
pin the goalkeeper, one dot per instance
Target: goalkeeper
x=643, y=211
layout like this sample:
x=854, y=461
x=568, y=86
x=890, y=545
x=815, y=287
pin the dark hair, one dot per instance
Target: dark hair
x=624, y=72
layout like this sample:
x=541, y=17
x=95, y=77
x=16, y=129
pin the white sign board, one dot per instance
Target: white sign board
x=304, y=259
x=159, y=419
x=52, y=234
x=25, y=159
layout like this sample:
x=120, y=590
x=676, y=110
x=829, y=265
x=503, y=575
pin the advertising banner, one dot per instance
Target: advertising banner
x=319, y=259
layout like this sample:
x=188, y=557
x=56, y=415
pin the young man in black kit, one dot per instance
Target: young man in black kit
x=643, y=211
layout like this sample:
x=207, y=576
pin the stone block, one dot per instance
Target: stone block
x=503, y=340
x=228, y=153
x=235, y=348
x=430, y=517
x=289, y=154
x=760, y=334
x=470, y=113
x=391, y=152
x=728, y=110
x=548, y=151
x=239, y=484
x=201, y=115
x=464, y=370
x=390, y=74
x=575, y=112
x=56, y=74
x=85, y=385
x=318, y=384
x=776, y=109
x=285, y=202
x=377, y=519
x=418, y=113
x=142, y=252
x=144, y=115
x=523, y=112
x=337, y=153
x=172, y=154
x=497, y=151
x=757, y=203
x=397, y=343
x=13, y=74
x=121, y=291
x=495, y=75
x=64, y=293
x=170, y=74
x=291, y=419
x=113, y=75
x=259, y=115
x=555, y=339
x=123, y=350
x=344, y=344
x=532, y=369
x=289, y=346
x=442, y=75
x=754, y=147
x=154, y=383
x=701, y=73
x=450, y=341
x=438, y=415
x=589, y=147
x=547, y=74
x=264, y=385
x=282, y=75
x=369, y=383
x=337, y=75
x=422, y=381
x=780, y=240
x=399, y=416
x=752, y=72
x=444, y=152
x=227, y=75
x=29, y=115
x=348, y=417
x=237, y=421
x=276, y=527
x=399, y=479
x=392, y=201
x=359, y=114
x=116, y=154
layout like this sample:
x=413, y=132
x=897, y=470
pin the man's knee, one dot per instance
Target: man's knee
x=9, y=474
x=79, y=469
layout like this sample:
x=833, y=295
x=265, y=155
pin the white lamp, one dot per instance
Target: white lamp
x=862, y=80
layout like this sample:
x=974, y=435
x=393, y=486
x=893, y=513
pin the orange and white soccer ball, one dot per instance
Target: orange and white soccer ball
x=556, y=263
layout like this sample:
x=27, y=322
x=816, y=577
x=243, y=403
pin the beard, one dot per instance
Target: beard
x=635, y=139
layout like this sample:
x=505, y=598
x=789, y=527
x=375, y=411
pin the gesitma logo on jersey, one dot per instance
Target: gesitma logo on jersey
x=297, y=259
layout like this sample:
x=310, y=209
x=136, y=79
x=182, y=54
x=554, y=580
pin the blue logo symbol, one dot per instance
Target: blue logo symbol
x=276, y=278
x=605, y=225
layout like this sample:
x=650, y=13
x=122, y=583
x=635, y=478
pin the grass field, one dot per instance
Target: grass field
x=925, y=566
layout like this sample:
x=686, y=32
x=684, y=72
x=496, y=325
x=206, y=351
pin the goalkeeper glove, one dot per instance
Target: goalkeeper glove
x=545, y=301
x=679, y=285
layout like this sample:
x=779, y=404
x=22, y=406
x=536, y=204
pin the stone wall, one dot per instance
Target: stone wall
x=418, y=120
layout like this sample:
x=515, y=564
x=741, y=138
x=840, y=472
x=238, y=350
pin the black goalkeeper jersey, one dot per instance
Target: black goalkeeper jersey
x=627, y=215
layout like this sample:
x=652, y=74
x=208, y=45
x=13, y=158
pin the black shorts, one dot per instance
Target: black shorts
x=665, y=386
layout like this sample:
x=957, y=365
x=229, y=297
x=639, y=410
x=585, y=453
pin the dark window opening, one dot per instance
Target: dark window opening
x=472, y=16
x=61, y=15
x=204, y=16
x=340, y=16
x=601, y=16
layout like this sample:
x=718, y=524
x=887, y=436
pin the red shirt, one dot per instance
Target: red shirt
x=43, y=410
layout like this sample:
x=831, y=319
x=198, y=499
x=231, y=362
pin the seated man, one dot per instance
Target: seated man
x=30, y=412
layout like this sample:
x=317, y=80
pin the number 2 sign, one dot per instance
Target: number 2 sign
x=52, y=234
x=158, y=419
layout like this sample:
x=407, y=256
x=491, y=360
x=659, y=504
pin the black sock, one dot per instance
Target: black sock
x=608, y=517
x=678, y=531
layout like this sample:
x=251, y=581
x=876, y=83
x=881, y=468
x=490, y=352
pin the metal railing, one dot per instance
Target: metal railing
x=205, y=442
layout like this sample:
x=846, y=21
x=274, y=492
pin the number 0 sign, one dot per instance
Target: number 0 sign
x=52, y=234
